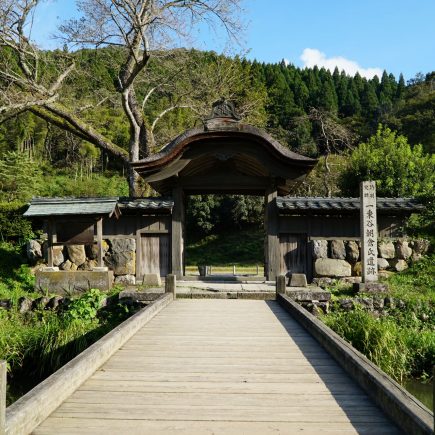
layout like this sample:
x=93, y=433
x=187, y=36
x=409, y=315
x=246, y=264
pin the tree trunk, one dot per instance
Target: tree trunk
x=327, y=177
x=133, y=183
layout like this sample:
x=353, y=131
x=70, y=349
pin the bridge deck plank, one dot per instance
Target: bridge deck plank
x=222, y=367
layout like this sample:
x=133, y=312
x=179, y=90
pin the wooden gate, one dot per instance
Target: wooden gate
x=154, y=254
x=294, y=253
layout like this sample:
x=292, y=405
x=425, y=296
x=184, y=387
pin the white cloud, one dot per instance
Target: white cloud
x=311, y=57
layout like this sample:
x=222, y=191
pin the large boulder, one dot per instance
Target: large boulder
x=89, y=265
x=58, y=257
x=398, y=264
x=125, y=280
x=386, y=249
x=33, y=251
x=420, y=246
x=332, y=267
x=403, y=251
x=122, y=256
x=320, y=249
x=122, y=263
x=77, y=254
x=92, y=250
x=338, y=251
x=68, y=266
x=383, y=264
x=122, y=245
x=357, y=269
x=352, y=251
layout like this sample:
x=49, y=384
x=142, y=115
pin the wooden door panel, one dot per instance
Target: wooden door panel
x=154, y=254
x=293, y=253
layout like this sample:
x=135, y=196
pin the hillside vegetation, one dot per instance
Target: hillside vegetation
x=311, y=111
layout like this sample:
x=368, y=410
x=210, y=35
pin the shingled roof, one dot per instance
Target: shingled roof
x=321, y=204
x=146, y=204
x=40, y=207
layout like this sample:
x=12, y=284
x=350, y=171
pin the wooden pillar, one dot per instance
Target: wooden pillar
x=100, y=242
x=50, y=231
x=280, y=285
x=171, y=285
x=177, y=232
x=272, y=240
x=3, y=372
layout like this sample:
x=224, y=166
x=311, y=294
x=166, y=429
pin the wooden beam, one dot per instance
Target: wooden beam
x=177, y=232
x=100, y=242
x=272, y=240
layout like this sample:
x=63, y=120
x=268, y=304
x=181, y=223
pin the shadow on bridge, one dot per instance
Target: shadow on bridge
x=362, y=412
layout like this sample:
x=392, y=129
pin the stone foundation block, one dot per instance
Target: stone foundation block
x=72, y=282
x=152, y=279
x=332, y=267
x=298, y=280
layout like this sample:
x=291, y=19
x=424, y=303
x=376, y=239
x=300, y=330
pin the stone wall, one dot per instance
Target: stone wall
x=119, y=256
x=342, y=258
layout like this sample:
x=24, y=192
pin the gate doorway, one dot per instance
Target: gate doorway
x=224, y=236
x=154, y=255
x=224, y=156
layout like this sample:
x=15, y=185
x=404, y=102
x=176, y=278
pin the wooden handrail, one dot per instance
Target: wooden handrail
x=3, y=371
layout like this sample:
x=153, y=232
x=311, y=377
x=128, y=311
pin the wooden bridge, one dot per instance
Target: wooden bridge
x=207, y=367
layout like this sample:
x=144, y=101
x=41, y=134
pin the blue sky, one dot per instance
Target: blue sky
x=364, y=35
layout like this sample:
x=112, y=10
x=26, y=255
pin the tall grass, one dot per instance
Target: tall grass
x=402, y=342
x=38, y=343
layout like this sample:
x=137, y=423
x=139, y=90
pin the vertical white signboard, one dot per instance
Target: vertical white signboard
x=369, y=232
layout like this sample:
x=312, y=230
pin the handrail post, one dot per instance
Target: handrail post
x=280, y=284
x=3, y=380
x=171, y=285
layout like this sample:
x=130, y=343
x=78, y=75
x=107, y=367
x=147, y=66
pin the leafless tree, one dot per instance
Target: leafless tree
x=140, y=28
x=331, y=137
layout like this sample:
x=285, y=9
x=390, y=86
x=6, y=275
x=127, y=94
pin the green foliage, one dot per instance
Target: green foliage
x=414, y=116
x=216, y=213
x=402, y=343
x=416, y=284
x=38, y=343
x=380, y=340
x=19, y=177
x=397, y=168
x=423, y=224
x=13, y=226
x=64, y=184
x=86, y=306
x=16, y=279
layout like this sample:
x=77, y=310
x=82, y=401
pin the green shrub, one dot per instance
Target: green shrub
x=13, y=226
x=398, y=168
x=402, y=343
x=379, y=339
x=86, y=306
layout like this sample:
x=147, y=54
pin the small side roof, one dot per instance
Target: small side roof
x=295, y=205
x=146, y=204
x=41, y=207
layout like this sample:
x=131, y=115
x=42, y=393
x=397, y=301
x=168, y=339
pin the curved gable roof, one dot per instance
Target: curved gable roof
x=239, y=152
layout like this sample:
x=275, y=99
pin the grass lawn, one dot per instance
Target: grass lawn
x=243, y=248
